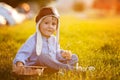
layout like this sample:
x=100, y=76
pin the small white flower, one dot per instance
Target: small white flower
x=91, y=68
x=80, y=68
x=84, y=69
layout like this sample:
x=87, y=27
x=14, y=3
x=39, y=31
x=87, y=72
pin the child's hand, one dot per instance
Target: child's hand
x=19, y=63
x=66, y=54
x=19, y=69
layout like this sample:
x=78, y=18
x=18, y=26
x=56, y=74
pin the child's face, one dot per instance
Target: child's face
x=48, y=26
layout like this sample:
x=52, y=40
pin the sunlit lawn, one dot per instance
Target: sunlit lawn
x=95, y=41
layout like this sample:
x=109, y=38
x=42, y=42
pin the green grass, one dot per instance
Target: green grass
x=95, y=41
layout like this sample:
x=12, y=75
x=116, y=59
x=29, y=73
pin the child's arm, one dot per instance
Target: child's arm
x=25, y=51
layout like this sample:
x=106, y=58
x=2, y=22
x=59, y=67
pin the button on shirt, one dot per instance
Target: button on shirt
x=49, y=47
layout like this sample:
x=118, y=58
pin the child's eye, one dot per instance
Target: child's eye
x=46, y=22
x=53, y=23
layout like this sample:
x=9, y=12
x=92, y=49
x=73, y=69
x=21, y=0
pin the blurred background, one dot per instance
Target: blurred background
x=16, y=11
x=89, y=28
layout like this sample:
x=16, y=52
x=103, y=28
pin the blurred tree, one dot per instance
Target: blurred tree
x=15, y=3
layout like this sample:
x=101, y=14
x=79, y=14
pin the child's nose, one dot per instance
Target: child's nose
x=51, y=26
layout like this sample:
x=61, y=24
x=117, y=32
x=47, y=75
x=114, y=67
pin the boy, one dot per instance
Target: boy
x=42, y=48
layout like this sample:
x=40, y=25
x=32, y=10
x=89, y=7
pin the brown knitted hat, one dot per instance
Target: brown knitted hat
x=45, y=11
